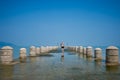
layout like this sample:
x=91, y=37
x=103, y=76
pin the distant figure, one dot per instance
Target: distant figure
x=62, y=45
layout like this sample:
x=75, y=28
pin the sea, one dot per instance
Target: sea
x=73, y=66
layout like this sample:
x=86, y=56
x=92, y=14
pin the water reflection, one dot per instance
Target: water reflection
x=89, y=59
x=98, y=66
x=112, y=69
x=32, y=59
x=84, y=57
x=6, y=72
x=81, y=55
x=62, y=52
x=113, y=72
x=62, y=59
x=98, y=63
x=23, y=60
x=50, y=68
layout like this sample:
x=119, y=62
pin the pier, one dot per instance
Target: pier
x=48, y=63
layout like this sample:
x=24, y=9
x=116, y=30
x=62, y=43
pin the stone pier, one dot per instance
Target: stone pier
x=98, y=54
x=81, y=49
x=37, y=50
x=89, y=51
x=84, y=50
x=32, y=51
x=23, y=54
x=6, y=55
x=112, y=56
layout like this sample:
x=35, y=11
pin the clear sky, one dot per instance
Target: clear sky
x=48, y=22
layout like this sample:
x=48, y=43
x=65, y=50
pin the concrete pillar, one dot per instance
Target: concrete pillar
x=23, y=54
x=37, y=50
x=89, y=51
x=76, y=48
x=32, y=51
x=42, y=49
x=98, y=54
x=6, y=55
x=81, y=49
x=112, y=55
x=47, y=49
x=84, y=50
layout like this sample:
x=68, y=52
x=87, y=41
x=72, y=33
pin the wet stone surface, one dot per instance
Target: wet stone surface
x=72, y=66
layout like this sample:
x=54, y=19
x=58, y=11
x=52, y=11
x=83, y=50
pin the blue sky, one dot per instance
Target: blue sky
x=48, y=22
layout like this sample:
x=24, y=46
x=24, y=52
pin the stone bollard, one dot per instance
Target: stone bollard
x=98, y=54
x=84, y=50
x=76, y=48
x=6, y=55
x=81, y=49
x=112, y=56
x=32, y=51
x=37, y=50
x=89, y=51
x=43, y=49
x=23, y=53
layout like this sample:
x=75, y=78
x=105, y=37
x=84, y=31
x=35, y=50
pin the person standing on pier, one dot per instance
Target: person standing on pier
x=62, y=47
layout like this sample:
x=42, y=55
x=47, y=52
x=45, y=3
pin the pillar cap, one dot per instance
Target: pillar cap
x=112, y=47
x=81, y=47
x=89, y=47
x=22, y=48
x=6, y=47
x=32, y=47
x=98, y=49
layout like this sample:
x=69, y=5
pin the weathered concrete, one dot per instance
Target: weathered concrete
x=6, y=55
x=37, y=50
x=32, y=51
x=46, y=49
x=84, y=50
x=89, y=51
x=98, y=54
x=23, y=54
x=112, y=56
x=43, y=49
x=81, y=49
x=76, y=48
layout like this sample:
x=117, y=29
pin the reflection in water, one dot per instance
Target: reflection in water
x=6, y=72
x=84, y=57
x=98, y=63
x=81, y=55
x=32, y=59
x=62, y=52
x=62, y=59
x=23, y=60
x=89, y=59
x=113, y=72
x=112, y=69
x=50, y=68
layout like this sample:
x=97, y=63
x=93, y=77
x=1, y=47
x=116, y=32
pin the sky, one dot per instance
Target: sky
x=49, y=22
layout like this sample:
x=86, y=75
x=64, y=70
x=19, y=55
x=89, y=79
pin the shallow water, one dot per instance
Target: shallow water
x=73, y=66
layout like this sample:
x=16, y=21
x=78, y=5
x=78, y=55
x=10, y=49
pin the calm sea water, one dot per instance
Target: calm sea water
x=73, y=66
x=17, y=49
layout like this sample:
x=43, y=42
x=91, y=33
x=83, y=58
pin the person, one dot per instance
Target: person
x=62, y=48
x=62, y=45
